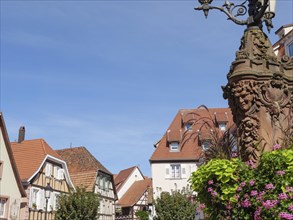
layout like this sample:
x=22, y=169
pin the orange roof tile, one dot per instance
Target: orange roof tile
x=135, y=192
x=29, y=154
x=122, y=176
x=79, y=159
x=84, y=179
x=200, y=119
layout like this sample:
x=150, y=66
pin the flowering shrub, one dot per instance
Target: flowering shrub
x=236, y=190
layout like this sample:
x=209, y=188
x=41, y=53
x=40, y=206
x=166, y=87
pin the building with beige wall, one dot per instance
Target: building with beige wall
x=12, y=195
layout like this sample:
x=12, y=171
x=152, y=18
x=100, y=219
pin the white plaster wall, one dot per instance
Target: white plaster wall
x=161, y=183
x=8, y=184
x=134, y=176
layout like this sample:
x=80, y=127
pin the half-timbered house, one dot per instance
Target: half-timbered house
x=39, y=165
x=87, y=172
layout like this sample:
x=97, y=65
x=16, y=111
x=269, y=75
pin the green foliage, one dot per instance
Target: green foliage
x=237, y=190
x=79, y=205
x=142, y=215
x=175, y=206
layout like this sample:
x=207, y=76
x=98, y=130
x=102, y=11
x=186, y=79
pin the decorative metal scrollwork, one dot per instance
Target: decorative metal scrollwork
x=254, y=8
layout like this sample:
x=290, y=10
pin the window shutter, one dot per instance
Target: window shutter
x=167, y=173
x=183, y=171
x=40, y=199
x=55, y=172
x=48, y=169
x=51, y=202
x=60, y=174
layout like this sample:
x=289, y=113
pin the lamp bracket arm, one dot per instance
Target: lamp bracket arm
x=228, y=10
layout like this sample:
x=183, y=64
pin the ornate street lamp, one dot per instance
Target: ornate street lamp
x=48, y=191
x=260, y=84
x=258, y=11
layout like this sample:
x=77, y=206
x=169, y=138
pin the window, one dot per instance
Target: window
x=37, y=198
x=55, y=204
x=222, y=126
x=206, y=144
x=175, y=171
x=48, y=170
x=290, y=49
x=60, y=174
x=1, y=169
x=188, y=126
x=33, y=197
x=174, y=146
x=2, y=207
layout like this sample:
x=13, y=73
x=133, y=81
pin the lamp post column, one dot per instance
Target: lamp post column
x=48, y=191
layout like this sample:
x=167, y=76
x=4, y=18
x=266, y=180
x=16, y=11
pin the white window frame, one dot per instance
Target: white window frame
x=174, y=146
x=48, y=169
x=60, y=174
x=34, y=196
x=175, y=171
x=223, y=126
x=290, y=44
x=3, y=205
x=54, y=204
x=188, y=126
x=205, y=144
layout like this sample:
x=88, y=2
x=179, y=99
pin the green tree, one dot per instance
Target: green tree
x=142, y=215
x=174, y=206
x=78, y=205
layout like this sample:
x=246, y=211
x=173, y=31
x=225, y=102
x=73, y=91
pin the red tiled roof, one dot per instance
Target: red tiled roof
x=200, y=118
x=84, y=179
x=135, y=192
x=221, y=117
x=83, y=167
x=79, y=159
x=11, y=156
x=29, y=154
x=122, y=176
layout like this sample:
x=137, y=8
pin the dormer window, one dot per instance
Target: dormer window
x=188, y=126
x=174, y=147
x=206, y=144
x=222, y=126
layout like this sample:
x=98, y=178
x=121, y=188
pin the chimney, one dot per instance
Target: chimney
x=21, y=134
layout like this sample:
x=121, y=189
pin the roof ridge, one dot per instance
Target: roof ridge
x=43, y=146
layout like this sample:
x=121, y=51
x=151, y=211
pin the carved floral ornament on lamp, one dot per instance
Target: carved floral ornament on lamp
x=258, y=11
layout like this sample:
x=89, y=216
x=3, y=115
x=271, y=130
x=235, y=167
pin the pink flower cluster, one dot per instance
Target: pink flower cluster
x=269, y=186
x=276, y=147
x=280, y=172
x=233, y=155
x=253, y=193
x=251, y=182
x=246, y=203
x=201, y=206
x=257, y=213
x=282, y=196
x=270, y=203
x=251, y=164
x=285, y=215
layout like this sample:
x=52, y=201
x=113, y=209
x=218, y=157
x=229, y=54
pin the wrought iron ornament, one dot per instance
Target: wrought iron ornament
x=257, y=10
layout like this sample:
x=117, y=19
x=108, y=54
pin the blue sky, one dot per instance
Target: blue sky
x=111, y=75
